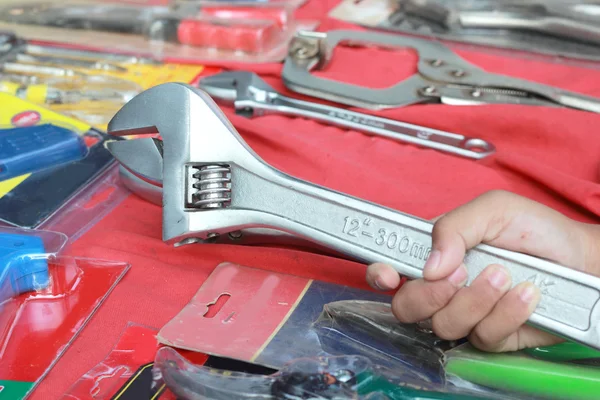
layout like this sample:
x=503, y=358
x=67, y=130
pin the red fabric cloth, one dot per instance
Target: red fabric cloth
x=548, y=154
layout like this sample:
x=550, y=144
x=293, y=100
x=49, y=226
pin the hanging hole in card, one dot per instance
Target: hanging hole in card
x=216, y=306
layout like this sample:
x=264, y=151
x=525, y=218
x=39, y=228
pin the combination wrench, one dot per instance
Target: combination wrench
x=251, y=96
x=213, y=184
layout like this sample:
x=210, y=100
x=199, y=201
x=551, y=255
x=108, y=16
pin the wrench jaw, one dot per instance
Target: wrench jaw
x=141, y=158
x=223, y=87
x=200, y=147
x=243, y=90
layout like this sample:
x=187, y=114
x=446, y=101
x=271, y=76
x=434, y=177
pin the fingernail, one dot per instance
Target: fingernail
x=498, y=278
x=379, y=285
x=433, y=261
x=459, y=277
x=527, y=294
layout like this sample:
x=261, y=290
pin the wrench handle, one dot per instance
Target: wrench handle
x=372, y=233
x=448, y=142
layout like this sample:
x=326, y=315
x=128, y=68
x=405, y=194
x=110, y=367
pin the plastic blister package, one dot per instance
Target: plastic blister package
x=250, y=332
x=129, y=371
x=45, y=300
x=273, y=320
x=92, y=100
x=45, y=161
x=563, y=371
x=126, y=370
x=25, y=256
x=331, y=377
x=186, y=30
x=286, y=3
x=28, y=149
x=557, y=28
x=88, y=206
x=85, y=85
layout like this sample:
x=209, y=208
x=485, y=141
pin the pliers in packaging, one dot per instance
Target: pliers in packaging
x=324, y=378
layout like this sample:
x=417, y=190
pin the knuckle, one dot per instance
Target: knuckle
x=399, y=309
x=481, y=298
x=476, y=308
x=514, y=317
x=436, y=296
x=442, y=225
x=479, y=340
x=444, y=326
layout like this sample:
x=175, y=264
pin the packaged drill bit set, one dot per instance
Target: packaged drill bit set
x=184, y=30
x=46, y=298
x=86, y=85
x=557, y=28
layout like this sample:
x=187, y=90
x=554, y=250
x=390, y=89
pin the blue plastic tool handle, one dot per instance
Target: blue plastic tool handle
x=23, y=265
x=29, y=149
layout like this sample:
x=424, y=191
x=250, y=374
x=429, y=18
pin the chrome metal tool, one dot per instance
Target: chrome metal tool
x=215, y=184
x=559, y=18
x=252, y=96
x=443, y=77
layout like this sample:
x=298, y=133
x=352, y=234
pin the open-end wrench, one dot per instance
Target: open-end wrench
x=252, y=96
x=214, y=183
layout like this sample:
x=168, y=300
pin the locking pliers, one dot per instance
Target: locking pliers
x=442, y=77
x=214, y=184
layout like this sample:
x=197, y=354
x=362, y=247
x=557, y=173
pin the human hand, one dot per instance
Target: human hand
x=488, y=312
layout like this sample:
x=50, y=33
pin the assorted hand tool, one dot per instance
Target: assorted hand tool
x=252, y=96
x=556, y=28
x=335, y=378
x=33, y=148
x=103, y=17
x=443, y=77
x=21, y=55
x=212, y=187
x=23, y=268
x=214, y=184
x=573, y=21
x=238, y=27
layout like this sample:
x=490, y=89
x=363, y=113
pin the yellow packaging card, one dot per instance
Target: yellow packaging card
x=145, y=76
x=122, y=79
x=148, y=75
x=18, y=112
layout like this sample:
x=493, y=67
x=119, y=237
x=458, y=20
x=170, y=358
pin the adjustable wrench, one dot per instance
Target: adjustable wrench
x=252, y=96
x=214, y=183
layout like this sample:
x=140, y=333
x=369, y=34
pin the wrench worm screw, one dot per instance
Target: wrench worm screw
x=213, y=186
